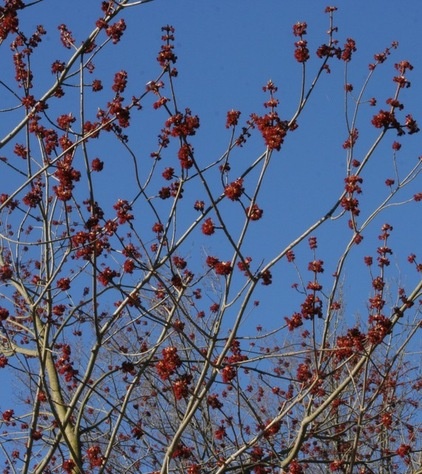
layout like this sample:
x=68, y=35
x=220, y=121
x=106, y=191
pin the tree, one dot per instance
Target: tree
x=134, y=285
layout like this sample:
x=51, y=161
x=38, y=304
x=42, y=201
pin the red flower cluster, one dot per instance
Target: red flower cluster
x=166, y=56
x=121, y=113
x=137, y=430
x=89, y=244
x=185, y=154
x=380, y=327
x=303, y=373
x=386, y=119
x=115, y=31
x=122, y=208
x=182, y=125
x=181, y=451
x=220, y=268
x=316, y=266
x=234, y=190
x=120, y=82
x=106, y=276
x=66, y=175
x=66, y=36
x=351, y=140
x=350, y=204
x=229, y=370
x=169, y=363
x=9, y=21
x=6, y=272
x=352, y=184
x=312, y=306
x=68, y=465
x=295, y=321
x=64, y=365
x=94, y=456
x=301, y=52
x=181, y=386
x=214, y=402
x=349, y=345
x=232, y=118
x=65, y=121
x=349, y=48
x=97, y=165
x=3, y=361
x=33, y=197
x=266, y=277
x=208, y=227
x=8, y=415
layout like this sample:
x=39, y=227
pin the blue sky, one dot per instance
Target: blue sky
x=227, y=51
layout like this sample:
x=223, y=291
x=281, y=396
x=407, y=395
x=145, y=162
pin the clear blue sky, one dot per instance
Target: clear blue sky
x=227, y=51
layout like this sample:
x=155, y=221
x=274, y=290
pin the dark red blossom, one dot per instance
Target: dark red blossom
x=97, y=165
x=223, y=268
x=386, y=119
x=350, y=344
x=182, y=125
x=123, y=209
x=158, y=228
x=106, y=276
x=169, y=363
x=6, y=272
x=3, y=361
x=96, y=85
x=266, y=277
x=232, y=118
x=137, y=430
x=294, y=322
x=120, y=82
x=94, y=456
x=168, y=174
x=272, y=128
x=299, y=28
x=181, y=386
x=4, y=314
x=214, y=402
x=208, y=227
x=66, y=36
x=411, y=125
x=313, y=243
x=68, y=466
x=179, y=262
x=316, y=266
x=254, y=213
x=185, y=154
x=403, y=450
x=303, y=373
x=234, y=190
x=199, y=206
x=301, y=51
x=311, y=307
x=351, y=140
x=8, y=415
x=66, y=175
x=115, y=31
x=349, y=48
x=350, y=204
x=352, y=184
